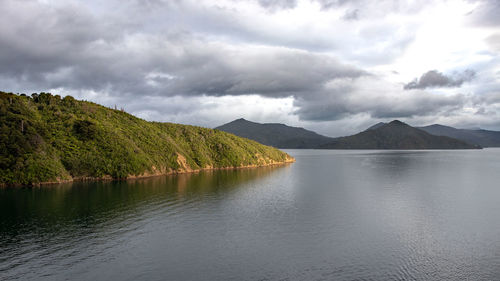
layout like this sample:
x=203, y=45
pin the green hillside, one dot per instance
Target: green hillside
x=396, y=135
x=46, y=138
x=275, y=134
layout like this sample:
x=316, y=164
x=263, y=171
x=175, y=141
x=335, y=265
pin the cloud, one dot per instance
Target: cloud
x=436, y=79
x=88, y=55
x=379, y=8
x=271, y=72
x=344, y=98
x=188, y=60
x=278, y=4
x=494, y=42
x=351, y=15
x=486, y=13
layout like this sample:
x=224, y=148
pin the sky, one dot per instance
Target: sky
x=332, y=66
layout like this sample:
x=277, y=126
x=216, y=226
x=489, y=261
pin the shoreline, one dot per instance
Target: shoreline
x=146, y=175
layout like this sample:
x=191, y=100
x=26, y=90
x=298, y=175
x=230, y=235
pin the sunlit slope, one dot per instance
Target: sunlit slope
x=44, y=138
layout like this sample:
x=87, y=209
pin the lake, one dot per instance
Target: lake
x=332, y=215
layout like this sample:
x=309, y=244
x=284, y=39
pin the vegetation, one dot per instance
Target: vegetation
x=274, y=134
x=46, y=138
x=396, y=135
x=478, y=137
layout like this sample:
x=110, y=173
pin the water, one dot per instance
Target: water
x=333, y=215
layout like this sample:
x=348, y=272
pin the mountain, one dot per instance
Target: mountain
x=480, y=137
x=376, y=126
x=46, y=138
x=396, y=135
x=274, y=134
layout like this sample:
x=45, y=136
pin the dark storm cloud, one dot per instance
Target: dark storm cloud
x=436, y=79
x=371, y=96
x=268, y=72
x=384, y=107
x=44, y=47
x=69, y=48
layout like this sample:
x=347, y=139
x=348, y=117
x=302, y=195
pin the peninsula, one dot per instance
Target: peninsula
x=48, y=139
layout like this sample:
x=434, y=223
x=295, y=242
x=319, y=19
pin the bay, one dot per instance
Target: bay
x=332, y=215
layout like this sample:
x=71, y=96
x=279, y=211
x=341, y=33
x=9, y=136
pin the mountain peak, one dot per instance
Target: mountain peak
x=396, y=135
x=397, y=122
x=241, y=121
x=275, y=134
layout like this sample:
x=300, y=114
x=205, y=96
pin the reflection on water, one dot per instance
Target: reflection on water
x=83, y=203
x=332, y=215
x=56, y=221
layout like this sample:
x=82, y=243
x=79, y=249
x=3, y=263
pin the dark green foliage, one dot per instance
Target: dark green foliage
x=274, y=134
x=396, y=135
x=85, y=129
x=44, y=138
x=479, y=137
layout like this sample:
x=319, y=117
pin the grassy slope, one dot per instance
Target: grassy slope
x=44, y=138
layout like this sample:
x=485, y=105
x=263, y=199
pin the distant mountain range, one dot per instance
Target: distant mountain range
x=393, y=135
x=274, y=134
x=396, y=135
x=484, y=138
x=480, y=137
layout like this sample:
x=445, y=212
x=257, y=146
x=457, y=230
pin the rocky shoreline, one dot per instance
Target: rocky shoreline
x=159, y=172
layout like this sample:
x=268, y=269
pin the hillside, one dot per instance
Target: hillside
x=483, y=138
x=46, y=138
x=396, y=135
x=274, y=134
x=376, y=126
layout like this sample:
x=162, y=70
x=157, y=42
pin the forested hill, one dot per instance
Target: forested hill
x=46, y=138
x=479, y=137
x=397, y=135
x=484, y=138
x=275, y=134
